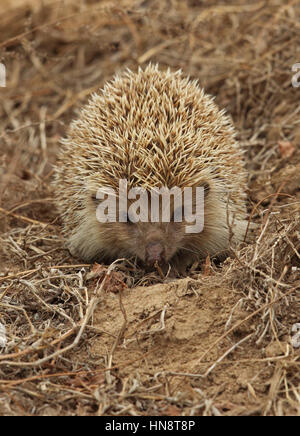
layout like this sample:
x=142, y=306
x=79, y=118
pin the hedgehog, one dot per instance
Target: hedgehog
x=154, y=129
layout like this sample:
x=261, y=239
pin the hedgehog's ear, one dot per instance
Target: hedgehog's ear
x=206, y=187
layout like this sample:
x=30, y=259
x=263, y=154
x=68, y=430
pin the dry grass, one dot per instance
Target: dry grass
x=113, y=340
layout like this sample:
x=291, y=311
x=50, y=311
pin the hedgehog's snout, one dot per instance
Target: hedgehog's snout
x=155, y=252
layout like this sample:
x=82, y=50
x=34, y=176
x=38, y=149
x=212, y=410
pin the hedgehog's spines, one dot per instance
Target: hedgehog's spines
x=153, y=128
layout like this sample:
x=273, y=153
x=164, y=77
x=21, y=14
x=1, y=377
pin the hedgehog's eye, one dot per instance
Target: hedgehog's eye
x=129, y=222
x=124, y=218
x=177, y=215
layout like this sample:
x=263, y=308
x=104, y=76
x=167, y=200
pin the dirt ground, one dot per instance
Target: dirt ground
x=115, y=340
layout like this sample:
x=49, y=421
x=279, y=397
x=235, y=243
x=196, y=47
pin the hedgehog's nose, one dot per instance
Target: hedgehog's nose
x=154, y=253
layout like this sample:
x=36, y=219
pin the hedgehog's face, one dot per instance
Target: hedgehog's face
x=154, y=242
x=151, y=242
